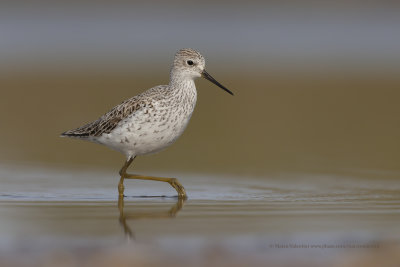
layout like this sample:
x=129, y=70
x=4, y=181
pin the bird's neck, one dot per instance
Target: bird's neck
x=179, y=82
x=184, y=89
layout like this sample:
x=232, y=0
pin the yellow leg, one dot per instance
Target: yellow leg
x=172, y=181
x=123, y=173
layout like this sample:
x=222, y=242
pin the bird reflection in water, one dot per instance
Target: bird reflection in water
x=123, y=217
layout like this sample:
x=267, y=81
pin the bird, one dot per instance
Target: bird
x=150, y=121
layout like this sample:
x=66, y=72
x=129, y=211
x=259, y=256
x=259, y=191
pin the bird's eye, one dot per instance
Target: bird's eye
x=189, y=62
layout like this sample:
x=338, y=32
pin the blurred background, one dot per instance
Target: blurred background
x=316, y=83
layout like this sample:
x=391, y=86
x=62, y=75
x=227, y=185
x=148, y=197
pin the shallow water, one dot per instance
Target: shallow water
x=72, y=217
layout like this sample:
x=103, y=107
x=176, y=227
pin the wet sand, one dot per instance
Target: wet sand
x=71, y=217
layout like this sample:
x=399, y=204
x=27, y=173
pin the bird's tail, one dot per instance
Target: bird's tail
x=75, y=134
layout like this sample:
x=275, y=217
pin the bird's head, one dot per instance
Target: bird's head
x=190, y=64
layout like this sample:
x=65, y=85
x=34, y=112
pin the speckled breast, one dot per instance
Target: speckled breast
x=152, y=129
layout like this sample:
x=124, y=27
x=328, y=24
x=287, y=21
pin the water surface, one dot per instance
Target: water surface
x=50, y=216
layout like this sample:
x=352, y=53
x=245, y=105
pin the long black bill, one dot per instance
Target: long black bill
x=207, y=76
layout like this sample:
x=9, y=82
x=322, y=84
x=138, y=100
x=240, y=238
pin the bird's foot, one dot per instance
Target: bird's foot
x=178, y=187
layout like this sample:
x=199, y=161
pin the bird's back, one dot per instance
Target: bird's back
x=109, y=121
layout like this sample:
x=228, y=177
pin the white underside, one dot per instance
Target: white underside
x=144, y=139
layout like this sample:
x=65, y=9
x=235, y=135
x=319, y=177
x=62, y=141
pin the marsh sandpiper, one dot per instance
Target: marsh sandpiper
x=152, y=120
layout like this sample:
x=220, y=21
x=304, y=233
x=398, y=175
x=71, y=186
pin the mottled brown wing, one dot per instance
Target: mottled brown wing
x=107, y=122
